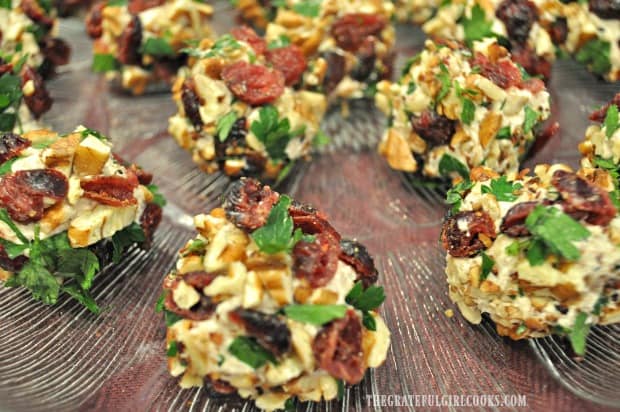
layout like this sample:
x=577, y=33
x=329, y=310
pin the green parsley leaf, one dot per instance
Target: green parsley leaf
x=125, y=238
x=308, y=8
x=37, y=278
x=579, y=333
x=516, y=247
x=531, y=117
x=79, y=263
x=82, y=296
x=277, y=234
x=159, y=306
x=556, y=230
x=446, y=84
x=369, y=321
x=220, y=360
x=504, y=133
x=315, y=314
x=611, y=120
x=600, y=303
x=85, y=132
x=468, y=112
x=477, y=27
x=250, y=352
x=196, y=247
x=289, y=405
x=502, y=189
x=521, y=329
x=7, y=121
x=341, y=389
x=225, y=125
x=596, y=55
x=487, y=266
x=223, y=46
x=454, y=196
x=156, y=46
x=104, y=63
x=173, y=349
x=7, y=166
x=158, y=198
x=171, y=318
x=282, y=41
x=410, y=62
x=365, y=300
x=116, y=3
x=4, y=216
x=536, y=252
x=273, y=132
x=320, y=139
x=5, y=4
x=450, y=164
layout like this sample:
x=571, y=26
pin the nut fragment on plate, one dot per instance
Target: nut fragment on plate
x=29, y=53
x=270, y=302
x=141, y=43
x=68, y=207
x=525, y=27
x=539, y=254
x=415, y=11
x=454, y=109
x=239, y=109
x=348, y=44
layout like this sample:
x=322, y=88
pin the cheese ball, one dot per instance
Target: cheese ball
x=239, y=110
x=68, y=207
x=526, y=27
x=349, y=44
x=593, y=33
x=141, y=43
x=538, y=253
x=269, y=301
x=454, y=109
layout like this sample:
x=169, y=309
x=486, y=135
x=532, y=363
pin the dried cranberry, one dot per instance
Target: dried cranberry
x=219, y=386
x=335, y=72
x=460, y=233
x=559, y=30
x=11, y=265
x=269, y=330
x=246, y=34
x=583, y=200
x=191, y=102
x=248, y=203
x=605, y=9
x=503, y=73
x=22, y=193
x=114, y=191
x=338, y=350
x=532, y=63
x=57, y=51
x=252, y=83
x=356, y=255
x=599, y=115
x=94, y=21
x=311, y=221
x=130, y=41
x=289, y=60
x=11, y=145
x=235, y=139
x=316, y=261
x=351, y=30
x=366, y=57
x=435, y=129
x=518, y=16
x=514, y=222
x=40, y=100
x=150, y=219
x=33, y=9
x=201, y=310
x=136, y=6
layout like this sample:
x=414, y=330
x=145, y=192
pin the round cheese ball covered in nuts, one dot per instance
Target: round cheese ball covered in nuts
x=539, y=254
x=270, y=302
x=239, y=110
x=454, y=109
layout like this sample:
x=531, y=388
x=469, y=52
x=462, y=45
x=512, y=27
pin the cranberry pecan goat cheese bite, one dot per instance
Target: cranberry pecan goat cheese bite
x=526, y=27
x=68, y=207
x=538, y=254
x=239, y=110
x=348, y=44
x=454, y=109
x=142, y=42
x=270, y=302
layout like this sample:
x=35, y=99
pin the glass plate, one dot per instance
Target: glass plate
x=63, y=358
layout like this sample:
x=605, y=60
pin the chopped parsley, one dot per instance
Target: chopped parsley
x=487, y=266
x=277, y=234
x=410, y=62
x=531, y=117
x=121, y=240
x=85, y=132
x=225, y=125
x=450, y=164
x=173, y=349
x=10, y=100
x=5, y=4
x=308, y=8
x=222, y=46
x=521, y=329
x=614, y=173
x=289, y=405
x=454, y=196
x=611, y=120
x=444, y=78
x=504, y=133
x=159, y=306
x=579, y=333
x=282, y=41
x=366, y=300
x=315, y=314
x=469, y=109
x=273, y=132
x=171, y=318
x=595, y=54
x=158, y=198
x=104, y=63
x=341, y=389
x=477, y=27
x=600, y=303
x=502, y=189
x=250, y=352
x=196, y=246
x=157, y=46
x=553, y=232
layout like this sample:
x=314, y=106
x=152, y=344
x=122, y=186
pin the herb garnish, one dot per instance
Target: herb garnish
x=104, y=63
x=308, y=8
x=157, y=46
x=579, y=333
x=449, y=164
x=282, y=41
x=273, y=132
x=531, y=116
x=250, y=352
x=225, y=125
x=222, y=46
x=365, y=301
x=611, y=120
x=158, y=198
x=444, y=78
x=454, y=196
x=10, y=99
x=173, y=349
x=477, y=27
x=504, y=133
x=595, y=54
x=502, y=189
x=315, y=314
x=487, y=266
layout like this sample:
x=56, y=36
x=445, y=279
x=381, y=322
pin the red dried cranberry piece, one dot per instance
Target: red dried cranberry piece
x=503, y=73
x=316, y=261
x=201, y=310
x=11, y=265
x=191, y=102
x=11, y=145
x=114, y=191
x=248, y=203
x=129, y=43
x=532, y=63
x=351, y=30
x=466, y=243
x=289, y=60
x=252, y=83
x=599, y=115
x=514, y=222
x=269, y=330
x=40, y=100
x=518, y=16
x=605, y=9
x=435, y=129
x=337, y=348
x=136, y=6
x=56, y=51
x=246, y=34
x=33, y=9
x=356, y=255
x=150, y=219
x=336, y=67
x=94, y=20
x=559, y=30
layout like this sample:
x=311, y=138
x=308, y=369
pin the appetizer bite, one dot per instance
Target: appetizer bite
x=524, y=26
x=142, y=43
x=454, y=109
x=538, y=254
x=349, y=45
x=239, y=110
x=68, y=207
x=270, y=302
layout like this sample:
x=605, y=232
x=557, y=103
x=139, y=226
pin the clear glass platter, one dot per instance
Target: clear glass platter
x=64, y=358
